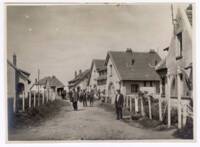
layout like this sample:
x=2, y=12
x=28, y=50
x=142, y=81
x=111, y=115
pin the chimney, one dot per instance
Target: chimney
x=80, y=71
x=129, y=50
x=152, y=51
x=75, y=74
x=14, y=59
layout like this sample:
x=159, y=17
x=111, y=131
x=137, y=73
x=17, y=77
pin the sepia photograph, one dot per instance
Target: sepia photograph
x=100, y=72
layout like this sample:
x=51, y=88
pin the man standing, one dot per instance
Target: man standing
x=84, y=99
x=119, y=101
x=75, y=99
x=91, y=97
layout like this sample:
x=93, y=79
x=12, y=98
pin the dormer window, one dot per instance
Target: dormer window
x=179, y=46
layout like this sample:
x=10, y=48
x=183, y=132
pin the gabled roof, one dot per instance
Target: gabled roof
x=142, y=69
x=99, y=63
x=52, y=81
x=24, y=74
x=79, y=78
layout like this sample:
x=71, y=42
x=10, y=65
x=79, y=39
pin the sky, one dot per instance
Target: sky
x=61, y=39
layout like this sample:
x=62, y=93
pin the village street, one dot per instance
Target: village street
x=90, y=123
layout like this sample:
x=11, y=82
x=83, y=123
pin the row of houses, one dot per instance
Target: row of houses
x=127, y=70
x=132, y=71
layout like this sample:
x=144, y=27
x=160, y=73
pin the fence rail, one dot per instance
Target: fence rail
x=156, y=108
x=33, y=99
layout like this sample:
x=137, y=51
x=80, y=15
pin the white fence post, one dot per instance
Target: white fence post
x=47, y=95
x=29, y=104
x=169, y=101
x=149, y=102
x=160, y=108
x=130, y=104
x=136, y=104
x=179, y=100
x=43, y=97
x=23, y=101
x=142, y=106
x=34, y=99
x=126, y=102
x=38, y=98
x=184, y=115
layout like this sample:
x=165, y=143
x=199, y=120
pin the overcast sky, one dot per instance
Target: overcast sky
x=61, y=39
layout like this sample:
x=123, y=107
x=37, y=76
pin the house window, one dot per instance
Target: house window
x=151, y=84
x=110, y=70
x=145, y=83
x=179, y=46
x=20, y=88
x=134, y=88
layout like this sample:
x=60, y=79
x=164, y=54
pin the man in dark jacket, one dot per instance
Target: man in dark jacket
x=119, y=102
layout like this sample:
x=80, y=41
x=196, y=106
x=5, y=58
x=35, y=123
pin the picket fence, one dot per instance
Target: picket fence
x=136, y=105
x=33, y=99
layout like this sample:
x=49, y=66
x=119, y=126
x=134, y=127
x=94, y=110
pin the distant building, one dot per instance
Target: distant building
x=98, y=74
x=102, y=78
x=80, y=80
x=51, y=84
x=176, y=69
x=18, y=84
x=130, y=72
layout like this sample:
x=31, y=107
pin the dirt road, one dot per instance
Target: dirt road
x=88, y=123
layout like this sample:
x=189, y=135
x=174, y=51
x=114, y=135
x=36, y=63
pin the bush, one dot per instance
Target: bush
x=33, y=116
x=187, y=131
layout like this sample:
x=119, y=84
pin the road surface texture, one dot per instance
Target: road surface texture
x=90, y=123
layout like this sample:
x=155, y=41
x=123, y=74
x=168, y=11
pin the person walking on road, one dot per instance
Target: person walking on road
x=119, y=101
x=75, y=99
x=91, y=97
x=84, y=99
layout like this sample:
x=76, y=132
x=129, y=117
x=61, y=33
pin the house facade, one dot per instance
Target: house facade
x=131, y=72
x=18, y=84
x=176, y=68
x=49, y=84
x=98, y=76
x=80, y=80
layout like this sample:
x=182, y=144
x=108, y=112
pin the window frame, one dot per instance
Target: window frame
x=179, y=50
x=134, y=88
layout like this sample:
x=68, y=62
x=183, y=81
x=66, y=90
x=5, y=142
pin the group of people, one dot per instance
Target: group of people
x=82, y=96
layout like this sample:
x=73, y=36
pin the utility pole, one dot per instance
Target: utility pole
x=173, y=20
x=38, y=87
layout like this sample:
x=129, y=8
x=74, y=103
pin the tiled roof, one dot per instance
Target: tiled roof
x=143, y=67
x=53, y=82
x=99, y=63
x=79, y=78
